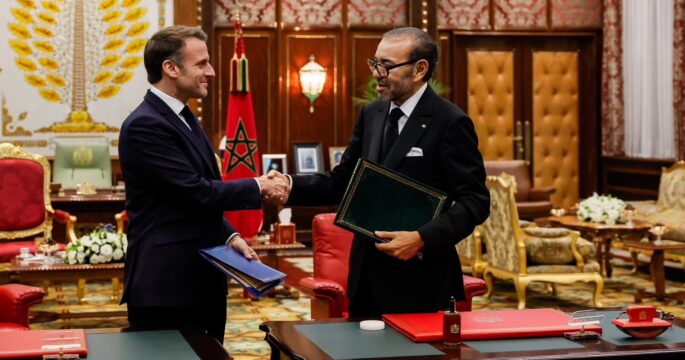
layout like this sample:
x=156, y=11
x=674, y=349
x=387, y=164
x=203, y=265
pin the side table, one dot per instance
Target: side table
x=272, y=260
x=656, y=268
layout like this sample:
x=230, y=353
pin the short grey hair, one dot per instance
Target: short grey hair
x=424, y=46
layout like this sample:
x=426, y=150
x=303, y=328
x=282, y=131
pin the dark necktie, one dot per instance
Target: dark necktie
x=190, y=119
x=391, y=132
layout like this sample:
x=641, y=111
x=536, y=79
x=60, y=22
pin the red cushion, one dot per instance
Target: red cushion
x=12, y=327
x=332, y=246
x=21, y=194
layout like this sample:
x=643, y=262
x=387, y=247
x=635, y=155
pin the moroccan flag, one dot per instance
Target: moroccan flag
x=241, y=155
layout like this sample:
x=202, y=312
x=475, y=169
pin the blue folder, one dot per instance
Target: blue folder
x=254, y=276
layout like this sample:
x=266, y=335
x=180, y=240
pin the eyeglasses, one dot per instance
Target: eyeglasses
x=384, y=70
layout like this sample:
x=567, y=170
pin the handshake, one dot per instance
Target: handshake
x=275, y=187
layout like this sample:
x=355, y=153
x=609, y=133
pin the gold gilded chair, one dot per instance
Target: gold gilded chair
x=25, y=197
x=470, y=252
x=510, y=249
x=668, y=210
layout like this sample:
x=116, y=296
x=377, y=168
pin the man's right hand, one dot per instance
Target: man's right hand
x=275, y=189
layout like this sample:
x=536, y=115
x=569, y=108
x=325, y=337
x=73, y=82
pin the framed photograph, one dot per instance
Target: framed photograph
x=308, y=158
x=335, y=154
x=274, y=162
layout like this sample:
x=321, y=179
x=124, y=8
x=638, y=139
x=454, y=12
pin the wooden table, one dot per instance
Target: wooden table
x=271, y=260
x=602, y=235
x=36, y=272
x=656, y=268
x=286, y=342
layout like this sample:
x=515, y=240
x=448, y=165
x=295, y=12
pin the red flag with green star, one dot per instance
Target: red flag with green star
x=241, y=155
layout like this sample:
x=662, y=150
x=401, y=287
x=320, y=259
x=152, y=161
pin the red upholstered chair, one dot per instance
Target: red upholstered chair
x=25, y=197
x=328, y=286
x=15, y=301
x=531, y=202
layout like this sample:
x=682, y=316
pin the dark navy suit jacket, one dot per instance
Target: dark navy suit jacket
x=175, y=200
x=450, y=162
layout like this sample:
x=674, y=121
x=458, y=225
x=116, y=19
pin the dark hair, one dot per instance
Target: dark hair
x=424, y=46
x=167, y=44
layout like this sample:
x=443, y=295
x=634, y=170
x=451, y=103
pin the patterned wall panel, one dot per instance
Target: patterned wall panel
x=679, y=76
x=391, y=13
x=252, y=13
x=576, y=13
x=520, y=14
x=613, y=129
x=491, y=101
x=555, y=124
x=307, y=13
x=464, y=14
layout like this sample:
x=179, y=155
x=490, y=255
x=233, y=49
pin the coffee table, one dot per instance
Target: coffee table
x=271, y=260
x=656, y=268
x=602, y=235
x=36, y=272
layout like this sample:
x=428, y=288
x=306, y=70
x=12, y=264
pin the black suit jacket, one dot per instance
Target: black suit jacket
x=175, y=200
x=451, y=162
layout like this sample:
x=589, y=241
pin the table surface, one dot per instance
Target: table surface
x=572, y=221
x=283, y=336
x=651, y=245
x=102, y=195
x=37, y=267
x=205, y=346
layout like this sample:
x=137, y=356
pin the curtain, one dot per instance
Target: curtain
x=679, y=77
x=648, y=78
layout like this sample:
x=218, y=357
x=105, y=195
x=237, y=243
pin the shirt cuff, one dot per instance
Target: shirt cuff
x=290, y=179
x=259, y=186
x=231, y=237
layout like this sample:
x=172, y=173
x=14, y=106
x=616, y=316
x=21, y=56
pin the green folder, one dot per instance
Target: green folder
x=381, y=199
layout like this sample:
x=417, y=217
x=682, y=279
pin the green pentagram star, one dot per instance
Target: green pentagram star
x=240, y=138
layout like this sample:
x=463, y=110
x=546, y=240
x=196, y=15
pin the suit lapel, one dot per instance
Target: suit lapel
x=197, y=141
x=413, y=130
x=376, y=133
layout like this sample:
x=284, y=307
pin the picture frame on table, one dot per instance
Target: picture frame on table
x=308, y=158
x=335, y=155
x=274, y=162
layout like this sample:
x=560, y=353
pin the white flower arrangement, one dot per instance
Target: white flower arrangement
x=602, y=209
x=101, y=246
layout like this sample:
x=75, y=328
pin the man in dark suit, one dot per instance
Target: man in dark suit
x=175, y=197
x=421, y=135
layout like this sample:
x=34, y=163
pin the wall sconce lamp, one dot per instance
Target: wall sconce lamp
x=312, y=79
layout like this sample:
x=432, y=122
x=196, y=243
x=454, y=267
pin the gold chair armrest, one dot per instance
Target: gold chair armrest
x=574, y=249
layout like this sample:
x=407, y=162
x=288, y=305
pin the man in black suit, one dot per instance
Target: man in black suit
x=175, y=197
x=421, y=135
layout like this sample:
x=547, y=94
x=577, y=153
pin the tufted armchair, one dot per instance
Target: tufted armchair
x=15, y=301
x=669, y=209
x=531, y=202
x=550, y=255
x=327, y=287
x=25, y=199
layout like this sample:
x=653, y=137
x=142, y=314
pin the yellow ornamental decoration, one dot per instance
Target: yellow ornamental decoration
x=130, y=3
x=113, y=44
x=47, y=19
x=21, y=47
x=50, y=6
x=43, y=31
x=48, y=63
x=29, y=4
x=35, y=80
x=56, y=80
x=135, y=14
x=49, y=95
x=131, y=62
x=111, y=16
x=76, y=52
x=26, y=64
x=23, y=16
x=20, y=31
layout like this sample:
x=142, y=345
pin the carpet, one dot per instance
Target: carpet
x=244, y=340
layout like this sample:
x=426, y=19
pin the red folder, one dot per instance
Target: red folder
x=487, y=324
x=36, y=343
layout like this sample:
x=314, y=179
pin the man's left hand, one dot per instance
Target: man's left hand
x=241, y=246
x=403, y=245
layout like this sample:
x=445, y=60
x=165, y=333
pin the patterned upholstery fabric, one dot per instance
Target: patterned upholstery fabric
x=546, y=232
x=21, y=195
x=672, y=189
x=498, y=232
x=592, y=266
x=556, y=251
x=467, y=247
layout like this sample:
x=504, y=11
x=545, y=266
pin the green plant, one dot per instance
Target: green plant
x=370, y=95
